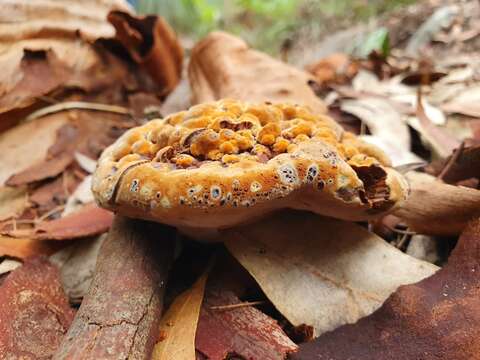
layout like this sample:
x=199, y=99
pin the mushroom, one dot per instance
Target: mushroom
x=223, y=163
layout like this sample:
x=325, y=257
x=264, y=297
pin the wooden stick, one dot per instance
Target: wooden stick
x=119, y=317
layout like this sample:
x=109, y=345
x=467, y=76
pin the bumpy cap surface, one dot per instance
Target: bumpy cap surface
x=223, y=163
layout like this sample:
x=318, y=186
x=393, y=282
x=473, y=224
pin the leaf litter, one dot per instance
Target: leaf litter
x=71, y=87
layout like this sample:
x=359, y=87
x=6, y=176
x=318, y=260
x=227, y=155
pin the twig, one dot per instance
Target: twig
x=81, y=105
x=236, y=306
x=402, y=241
x=453, y=159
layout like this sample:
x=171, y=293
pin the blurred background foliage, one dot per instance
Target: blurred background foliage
x=265, y=24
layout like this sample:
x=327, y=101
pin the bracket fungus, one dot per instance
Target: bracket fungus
x=220, y=164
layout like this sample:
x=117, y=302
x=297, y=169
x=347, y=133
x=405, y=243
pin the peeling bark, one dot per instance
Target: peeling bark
x=119, y=316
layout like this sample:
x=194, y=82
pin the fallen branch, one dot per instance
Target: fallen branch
x=119, y=317
x=436, y=208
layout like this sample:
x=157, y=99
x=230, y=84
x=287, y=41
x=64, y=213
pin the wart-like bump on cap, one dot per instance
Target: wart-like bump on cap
x=224, y=163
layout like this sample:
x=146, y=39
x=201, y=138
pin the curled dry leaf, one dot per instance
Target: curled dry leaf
x=89, y=220
x=8, y=265
x=436, y=208
x=223, y=66
x=77, y=264
x=12, y=202
x=50, y=50
x=242, y=331
x=320, y=271
x=462, y=165
x=24, y=248
x=382, y=119
x=442, y=142
x=119, y=317
x=437, y=318
x=80, y=197
x=34, y=311
x=16, y=145
x=179, y=325
x=85, y=162
x=46, y=169
x=153, y=44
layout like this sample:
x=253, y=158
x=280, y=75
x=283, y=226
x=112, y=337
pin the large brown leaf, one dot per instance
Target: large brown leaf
x=223, y=66
x=34, y=312
x=435, y=319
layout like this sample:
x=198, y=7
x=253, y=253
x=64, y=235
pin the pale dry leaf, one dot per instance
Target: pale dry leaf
x=12, y=201
x=178, y=326
x=399, y=156
x=442, y=17
x=383, y=120
x=77, y=266
x=423, y=247
x=319, y=271
x=16, y=145
x=86, y=163
x=8, y=265
x=80, y=197
x=387, y=125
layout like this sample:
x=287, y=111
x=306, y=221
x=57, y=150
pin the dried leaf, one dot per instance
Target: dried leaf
x=34, y=311
x=16, y=145
x=43, y=170
x=178, y=326
x=24, y=248
x=222, y=65
x=77, y=265
x=320, y=271
x=88, y=221
x=243, y=331
x=86, y=163
x=8, y=265
x=387, y=125
x=442, y=17
x=80, y=197
x=436, y=208
x=462, y=166
x=442, y=142
x=437, y=318
x=12, y=202
x=153, y=44
x=50, y=50
x=337, y=68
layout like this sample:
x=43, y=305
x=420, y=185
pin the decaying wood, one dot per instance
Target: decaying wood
x=223, y=66
x=34, y=311
x=437, y=318
x=436, y=208
x=119, y=317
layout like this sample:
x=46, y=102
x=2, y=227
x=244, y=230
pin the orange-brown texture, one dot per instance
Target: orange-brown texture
x=204, y=167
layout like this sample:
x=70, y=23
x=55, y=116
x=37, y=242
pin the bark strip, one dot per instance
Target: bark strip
x=120, y=315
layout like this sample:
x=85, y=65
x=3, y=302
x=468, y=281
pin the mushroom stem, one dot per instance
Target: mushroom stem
x=119, y=317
